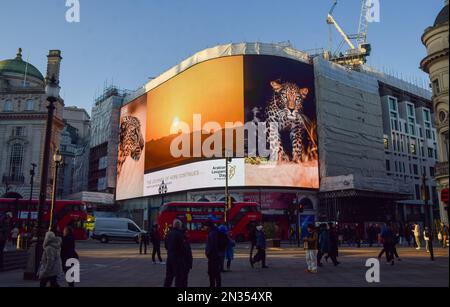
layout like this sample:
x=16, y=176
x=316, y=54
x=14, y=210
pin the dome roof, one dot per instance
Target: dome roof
x=442, y=16
x=19, y=66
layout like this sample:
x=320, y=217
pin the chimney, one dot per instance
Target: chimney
x=53, y=65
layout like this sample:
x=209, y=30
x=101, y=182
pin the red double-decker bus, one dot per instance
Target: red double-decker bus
x=196, y=214
x=65, y=213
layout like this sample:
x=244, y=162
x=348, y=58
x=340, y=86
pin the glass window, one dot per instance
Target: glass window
x=388, y=165
x=413, y=149
x=16, y=162
x=416, y=169
x=436, y=86
x=29, y=105
x=432, y=173
x=393, y=104
x=426, y=114
x=386, y=143
x=410, y=110
x=418, y=194
x=8, y=107
x=133, y=227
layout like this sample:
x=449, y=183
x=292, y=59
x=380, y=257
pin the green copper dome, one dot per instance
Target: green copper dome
x=19, y=66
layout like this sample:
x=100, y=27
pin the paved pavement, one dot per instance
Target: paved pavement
x=120, y=265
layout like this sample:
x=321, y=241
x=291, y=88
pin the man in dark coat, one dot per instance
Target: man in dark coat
x=4, y=231
x=68, y=250
x=213, y=254
x=155, y=238
x=176, y=256
x=333, y=250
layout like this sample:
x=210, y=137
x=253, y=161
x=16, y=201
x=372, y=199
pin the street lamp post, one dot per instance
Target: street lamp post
x=227, y=196
x=32, y=174
x=57, y=158
x=162, y=190
x=52, y=90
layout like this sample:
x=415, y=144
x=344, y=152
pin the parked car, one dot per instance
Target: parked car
x=116, y=229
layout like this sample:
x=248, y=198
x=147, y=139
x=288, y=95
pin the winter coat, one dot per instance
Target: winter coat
x=155, y=237
x=324, y=241
x=260, y=240
x=176, y=252
x=212, y=245
x=229, y=254
x=51, y=264
x=68, y=249
x=311, y=241
x=333, y=243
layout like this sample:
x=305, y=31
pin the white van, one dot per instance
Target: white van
x=116, y=229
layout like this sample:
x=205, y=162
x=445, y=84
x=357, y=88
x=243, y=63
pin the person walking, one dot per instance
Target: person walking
x=387, y=237
x=416, y=233
x=176, y=256
x=51, y=265
x=359, y=234
x=223, y=245
x=324, y=242
x=229, y=254
x=187, y=258
x=143, y=242
x=68, y=250
x=260, y=247
x=213, y=255
x=311, y=246
x=14, y=236
x=155, y=238
x=333, y=247
x=428, y=237
x=252, y=238
x=407, y=234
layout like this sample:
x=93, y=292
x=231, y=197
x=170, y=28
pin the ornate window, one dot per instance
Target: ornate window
x=8, y=107
x=16, y=162
x=29, y=106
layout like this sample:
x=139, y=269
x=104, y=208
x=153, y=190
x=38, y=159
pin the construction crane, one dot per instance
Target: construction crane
x=359, y=48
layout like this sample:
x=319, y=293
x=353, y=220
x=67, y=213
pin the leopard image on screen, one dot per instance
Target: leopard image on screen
x=285, y=116
x=131, y=141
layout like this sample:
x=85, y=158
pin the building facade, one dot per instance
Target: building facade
x=23, y=115
x=74, y=147
x=104, y=141
x=436, y=40
x=364, y=177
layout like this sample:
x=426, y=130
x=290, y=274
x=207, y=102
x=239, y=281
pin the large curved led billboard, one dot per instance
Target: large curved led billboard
x=257, y=109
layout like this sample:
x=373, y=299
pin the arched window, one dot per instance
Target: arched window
x=16, y=162
x=29, y=105
x=8, y=107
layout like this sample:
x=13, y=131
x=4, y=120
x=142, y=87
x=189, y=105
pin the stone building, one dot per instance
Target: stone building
x=23, y=115
x=436, y=40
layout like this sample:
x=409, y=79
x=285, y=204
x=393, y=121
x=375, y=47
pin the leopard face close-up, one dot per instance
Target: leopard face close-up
x=131, y=141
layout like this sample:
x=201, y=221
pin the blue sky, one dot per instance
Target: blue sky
x=129, y=41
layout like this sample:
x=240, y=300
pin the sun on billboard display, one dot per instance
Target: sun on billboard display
x=259, y=110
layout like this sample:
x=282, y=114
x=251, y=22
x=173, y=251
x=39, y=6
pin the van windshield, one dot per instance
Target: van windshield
x=133, y=227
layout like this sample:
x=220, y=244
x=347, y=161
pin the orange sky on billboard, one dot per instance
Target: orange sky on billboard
x=214, y=89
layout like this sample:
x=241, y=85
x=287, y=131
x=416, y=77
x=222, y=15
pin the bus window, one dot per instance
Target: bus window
x=196, y=209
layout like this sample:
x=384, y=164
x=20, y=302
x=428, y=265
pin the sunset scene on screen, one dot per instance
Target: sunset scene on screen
x=213, y=89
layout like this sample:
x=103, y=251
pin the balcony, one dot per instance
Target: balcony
x=442, y=169
x=14, y=179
